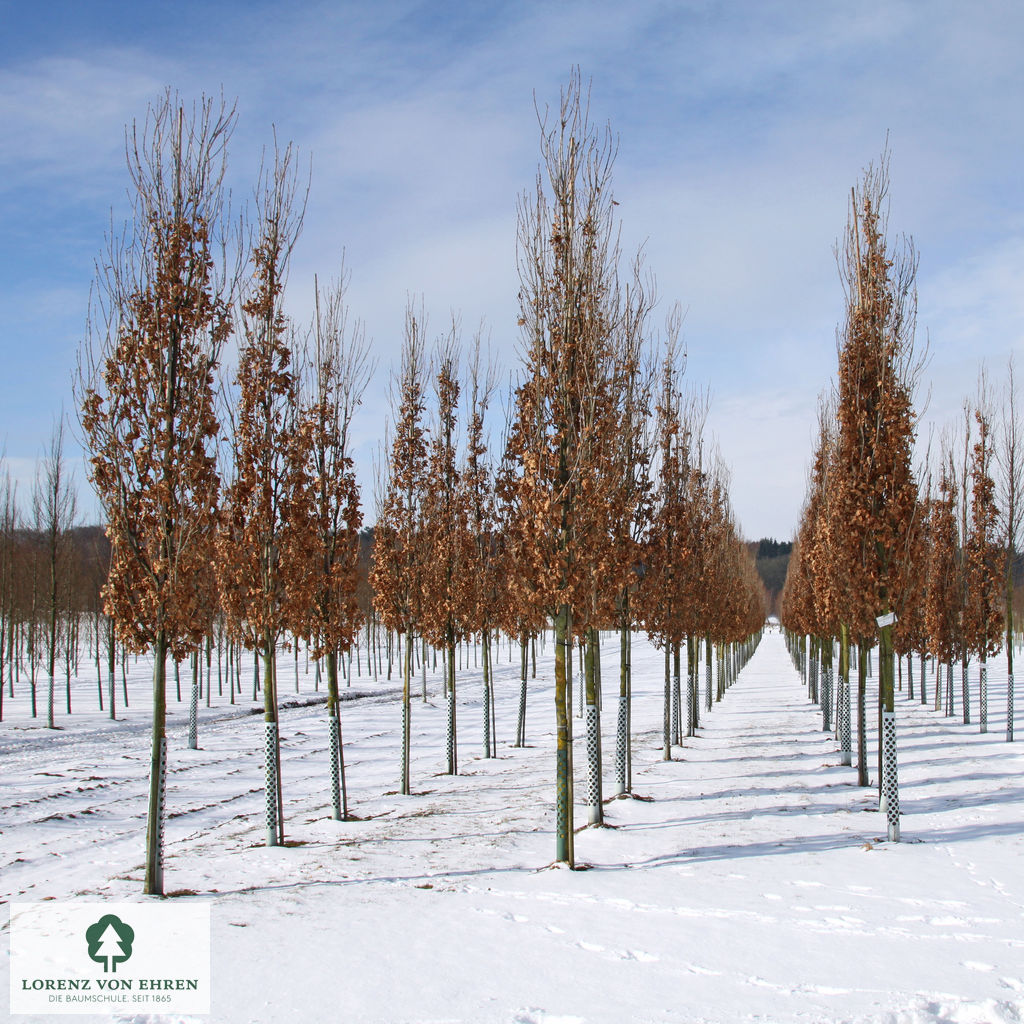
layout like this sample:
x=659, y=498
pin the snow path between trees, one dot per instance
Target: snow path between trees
x=751, y=883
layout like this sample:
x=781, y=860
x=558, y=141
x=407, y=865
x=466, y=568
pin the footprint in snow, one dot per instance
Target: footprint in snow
x=640, y=956
x=706, y=971
x=533, y=1016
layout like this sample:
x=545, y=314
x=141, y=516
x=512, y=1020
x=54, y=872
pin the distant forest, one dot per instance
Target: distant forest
x=771, y=557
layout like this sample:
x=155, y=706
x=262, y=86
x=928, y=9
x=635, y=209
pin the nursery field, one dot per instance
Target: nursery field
x=748, y=880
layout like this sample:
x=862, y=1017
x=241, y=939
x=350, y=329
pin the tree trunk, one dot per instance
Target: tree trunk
x=1009, y=651
x=677, y=717
x=623, y=753
x=406, y=711
x=452, y=732
x=692, y=688
x=486, y=698
x=887, y=739
x=490, y=739
x=275, y=826
x=666, y=754
x=339, y=794
x=983, y=695
x=154, y=881
x=826, y=684
x=595, y=807
x=707, y=672
x=862, y=731
x=524, y=664
x=193, y=705
x=965, y=687
x=563, y=731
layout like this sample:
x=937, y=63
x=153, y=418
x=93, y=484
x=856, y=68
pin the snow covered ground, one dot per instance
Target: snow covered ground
x=751, y=882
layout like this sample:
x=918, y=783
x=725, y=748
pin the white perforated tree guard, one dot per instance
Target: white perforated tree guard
x=334, y=739
x=193, y=717
x=890, y=778
x=845, y=737
x=270, y=757
x=593, y=719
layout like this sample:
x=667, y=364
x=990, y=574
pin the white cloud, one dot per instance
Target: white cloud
x=742, y=128
x=64, y=117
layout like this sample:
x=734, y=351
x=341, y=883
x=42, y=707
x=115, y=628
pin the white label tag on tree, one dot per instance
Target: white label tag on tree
x=886, y=620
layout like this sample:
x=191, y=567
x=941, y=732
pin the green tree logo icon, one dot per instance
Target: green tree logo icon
x=110, y=942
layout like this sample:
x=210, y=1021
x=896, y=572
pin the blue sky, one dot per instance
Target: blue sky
x=741, y=128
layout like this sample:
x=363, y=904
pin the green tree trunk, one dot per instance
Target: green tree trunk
x=862, y=730
x=275, y=800
x=563, y=739
x=826, y=684
x=983, y=695
x=406, y=712
x=193, y=705
x=965, y=686
x=452, y=733
x=887, y=738
x=623, y=751
x=339, y=794
x=111, y=664
x=490, y=739
x=692, y=688
x=595, y=807
x=154, y=881
x=707, y=672
x=523, y=667
x=666, y=754
x=676, y=711
x=1009, y=656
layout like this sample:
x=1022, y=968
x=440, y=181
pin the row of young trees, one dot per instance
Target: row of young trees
x=50, y=573
x=234, y=499
x=597, y=514
x=880, y=556
x=269, y=539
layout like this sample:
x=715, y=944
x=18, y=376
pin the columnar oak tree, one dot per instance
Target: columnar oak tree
x=1010, y=460
x=447, y=587
x=53, y=516
x=146, y=398
x=984, y=563
x=668, y=545
x=942, y=592
x=337, y=370
x=485, y=594
x=567, y=265
x=399, y=557
x=9, y=522
x=878, y=492
x=632, y=458
x=268, y=544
